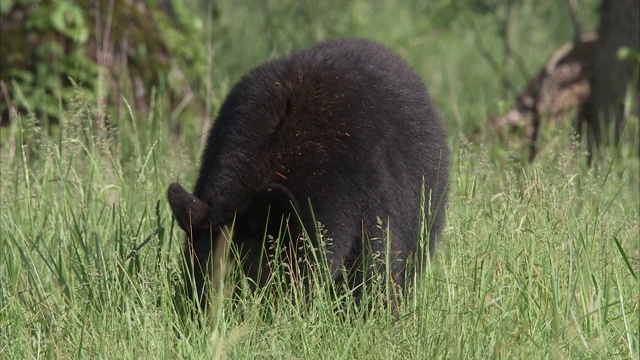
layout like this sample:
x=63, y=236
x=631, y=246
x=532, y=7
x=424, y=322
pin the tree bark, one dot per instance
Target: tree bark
x=619, y=27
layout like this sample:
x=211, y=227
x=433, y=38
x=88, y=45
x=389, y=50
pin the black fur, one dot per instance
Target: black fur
x=346, y=126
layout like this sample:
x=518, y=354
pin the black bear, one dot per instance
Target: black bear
x=342, y=134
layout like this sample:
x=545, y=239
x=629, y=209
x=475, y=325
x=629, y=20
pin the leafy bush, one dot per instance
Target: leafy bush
x=112, y=50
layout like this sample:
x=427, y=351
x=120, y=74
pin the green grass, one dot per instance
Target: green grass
x=538, y=260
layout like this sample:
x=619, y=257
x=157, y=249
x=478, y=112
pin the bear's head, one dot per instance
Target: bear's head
x=263, y=214
x=271, y=209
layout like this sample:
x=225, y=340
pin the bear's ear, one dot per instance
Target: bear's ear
x=271, y=203
x=189, y=211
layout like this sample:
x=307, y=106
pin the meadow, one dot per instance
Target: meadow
x=538, y=260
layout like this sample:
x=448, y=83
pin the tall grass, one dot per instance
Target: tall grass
x=537, y=261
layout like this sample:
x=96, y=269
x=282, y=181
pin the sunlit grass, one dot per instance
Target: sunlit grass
x=537, y=261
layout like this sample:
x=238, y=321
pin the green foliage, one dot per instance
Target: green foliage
x=42, y=43
x=50, y=48
x=187, y=58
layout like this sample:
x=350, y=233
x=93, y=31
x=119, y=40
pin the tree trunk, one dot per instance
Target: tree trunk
x=619, y=27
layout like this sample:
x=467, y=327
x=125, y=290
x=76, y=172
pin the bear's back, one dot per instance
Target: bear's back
x=346, y=125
